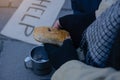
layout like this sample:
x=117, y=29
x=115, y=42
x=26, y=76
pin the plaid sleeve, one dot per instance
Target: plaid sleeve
x=100, y=36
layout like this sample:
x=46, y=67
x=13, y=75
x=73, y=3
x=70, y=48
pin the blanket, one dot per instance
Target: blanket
x=76, y=70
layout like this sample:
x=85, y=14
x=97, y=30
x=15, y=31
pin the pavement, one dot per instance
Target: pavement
x=13, y=52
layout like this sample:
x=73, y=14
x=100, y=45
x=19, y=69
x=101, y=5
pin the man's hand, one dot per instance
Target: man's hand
x=57, y=24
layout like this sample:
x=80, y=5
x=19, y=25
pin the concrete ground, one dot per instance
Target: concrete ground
x=13, y=52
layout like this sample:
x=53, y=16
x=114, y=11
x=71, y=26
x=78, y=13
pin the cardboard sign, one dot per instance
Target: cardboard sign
x=31, y=14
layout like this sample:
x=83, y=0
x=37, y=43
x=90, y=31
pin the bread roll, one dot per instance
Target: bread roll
x=50, y=35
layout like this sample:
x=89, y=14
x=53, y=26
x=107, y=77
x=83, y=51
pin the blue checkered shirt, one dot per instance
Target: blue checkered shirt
x=100, y=36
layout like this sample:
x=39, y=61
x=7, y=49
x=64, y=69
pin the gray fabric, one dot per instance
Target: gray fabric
x=76, y=70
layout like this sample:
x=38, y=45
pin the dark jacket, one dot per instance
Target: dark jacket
x=75, y=24
x=85, y=6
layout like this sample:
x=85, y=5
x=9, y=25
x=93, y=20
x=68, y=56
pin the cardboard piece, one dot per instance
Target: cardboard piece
x=15, y=3
x=31, y=14
x=4, y=3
